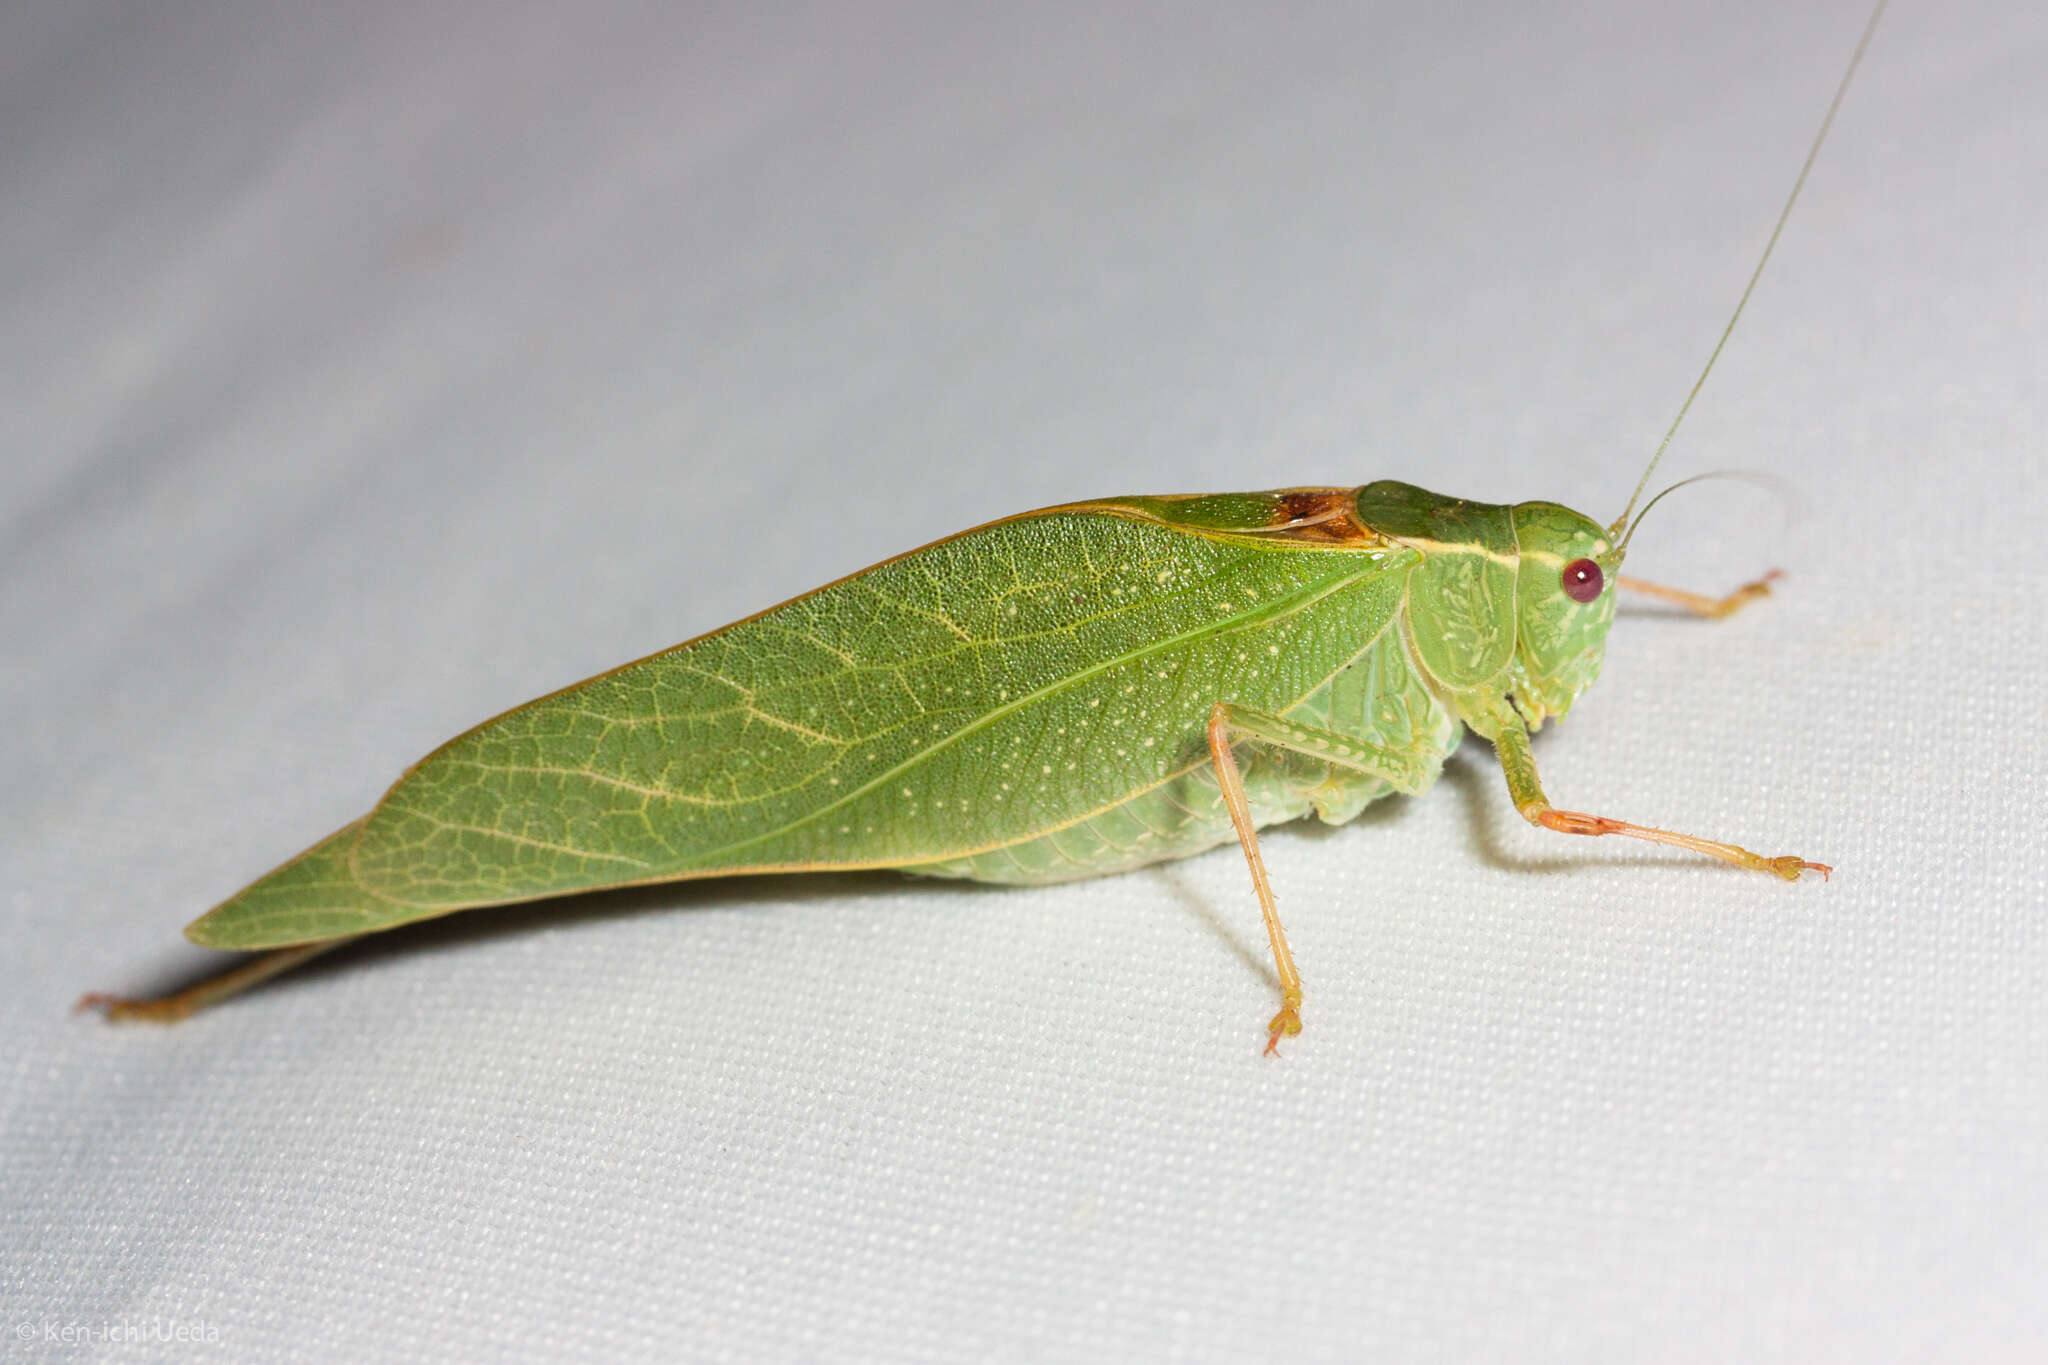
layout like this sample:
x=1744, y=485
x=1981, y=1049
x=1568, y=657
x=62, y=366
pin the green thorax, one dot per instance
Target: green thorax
x=1488, y=614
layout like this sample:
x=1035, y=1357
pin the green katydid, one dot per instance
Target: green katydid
x=1066, y=693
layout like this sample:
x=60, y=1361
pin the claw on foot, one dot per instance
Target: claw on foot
x=1286, y=1024
x=1790, y=868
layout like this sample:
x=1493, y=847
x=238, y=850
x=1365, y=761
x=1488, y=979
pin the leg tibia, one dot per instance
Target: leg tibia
x=1518, y=765
x=1578, y=822
x=1698, y=603
x=169, y=1009
x=1229, y=725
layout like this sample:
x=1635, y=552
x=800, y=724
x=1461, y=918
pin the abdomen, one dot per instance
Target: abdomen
x=1377, y=697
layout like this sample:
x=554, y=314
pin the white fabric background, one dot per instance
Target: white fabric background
x=367, y=369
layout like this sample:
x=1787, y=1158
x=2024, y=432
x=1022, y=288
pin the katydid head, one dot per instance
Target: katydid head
x=1564, y=603
x=1503, y=599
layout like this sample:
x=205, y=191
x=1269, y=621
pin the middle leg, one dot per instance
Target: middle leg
x=1228, y=724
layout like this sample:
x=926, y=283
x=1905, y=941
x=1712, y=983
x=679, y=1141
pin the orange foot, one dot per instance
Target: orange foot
x=1287, y=1023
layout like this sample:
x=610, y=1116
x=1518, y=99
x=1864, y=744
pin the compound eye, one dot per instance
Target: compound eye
x=1583, y=580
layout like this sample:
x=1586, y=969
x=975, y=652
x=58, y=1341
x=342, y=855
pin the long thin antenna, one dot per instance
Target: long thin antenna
x=1778, y=484
x=1797, y=185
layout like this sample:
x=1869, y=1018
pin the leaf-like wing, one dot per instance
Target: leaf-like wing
x=971, y=694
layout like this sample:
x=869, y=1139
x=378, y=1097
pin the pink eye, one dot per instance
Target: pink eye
x=1583, y=580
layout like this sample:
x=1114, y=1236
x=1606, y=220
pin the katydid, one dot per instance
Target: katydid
x=1067, y=693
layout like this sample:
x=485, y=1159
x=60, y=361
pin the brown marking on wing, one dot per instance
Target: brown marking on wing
x=1320, y=516
x=1325, y=518
x=1329, y=515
